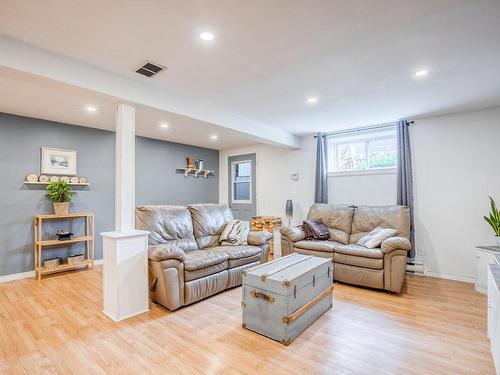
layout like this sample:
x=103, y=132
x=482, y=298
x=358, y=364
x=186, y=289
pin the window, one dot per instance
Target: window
x=373, y=149
x=241, y=181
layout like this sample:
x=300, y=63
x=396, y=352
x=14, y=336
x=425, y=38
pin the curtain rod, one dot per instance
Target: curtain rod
x=363, y=128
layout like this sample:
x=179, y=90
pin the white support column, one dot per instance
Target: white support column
x=125, y=273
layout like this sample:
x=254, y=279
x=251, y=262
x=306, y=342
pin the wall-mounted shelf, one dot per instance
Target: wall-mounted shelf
x=46, y=183
x=205, y=173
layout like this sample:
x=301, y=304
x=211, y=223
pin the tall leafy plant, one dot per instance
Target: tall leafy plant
x=494, y=218
x=60, y=192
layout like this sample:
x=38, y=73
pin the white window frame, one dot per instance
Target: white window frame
x=250, y=201
x=366, y=171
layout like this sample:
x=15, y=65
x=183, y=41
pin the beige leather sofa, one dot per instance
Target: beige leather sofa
x=381, y=268
x=186, y=263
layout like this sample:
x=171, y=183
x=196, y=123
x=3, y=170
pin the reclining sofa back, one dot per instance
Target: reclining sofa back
x=347, y=224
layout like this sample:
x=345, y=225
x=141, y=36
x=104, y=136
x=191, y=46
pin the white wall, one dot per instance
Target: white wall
x=456, y=166
x=274, y=185
x=375, y=189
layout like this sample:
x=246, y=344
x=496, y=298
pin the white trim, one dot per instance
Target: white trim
x=364, y=172
x=28, y=274
x=17, y=276
x=34, y=60
x=465, y=279
x=250, y=201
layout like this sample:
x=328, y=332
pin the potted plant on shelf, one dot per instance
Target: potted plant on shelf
x=61, y=194
x=494, y=220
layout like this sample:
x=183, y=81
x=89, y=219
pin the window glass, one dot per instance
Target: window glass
x=362, y=150
x=241, y=191
x=241, y=178
x=351, y=156
x=381, y=153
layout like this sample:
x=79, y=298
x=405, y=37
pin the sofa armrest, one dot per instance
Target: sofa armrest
x=293, y=233
x=258, y=238
x=166, y=251
x=395, y=243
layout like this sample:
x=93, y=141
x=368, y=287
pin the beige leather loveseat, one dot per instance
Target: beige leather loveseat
x=381, y=268
x=186, y=263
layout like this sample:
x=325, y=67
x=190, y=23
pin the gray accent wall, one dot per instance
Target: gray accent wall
x=156, y=182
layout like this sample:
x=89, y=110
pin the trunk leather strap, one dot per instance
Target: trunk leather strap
x=307, y=306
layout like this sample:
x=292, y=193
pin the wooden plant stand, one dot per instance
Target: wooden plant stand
x=39, y=244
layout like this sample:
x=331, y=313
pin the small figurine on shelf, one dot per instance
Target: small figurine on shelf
x=189, y=160
x=63, y=236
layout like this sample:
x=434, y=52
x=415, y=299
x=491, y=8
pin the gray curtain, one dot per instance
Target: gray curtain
x=405, y=182
x=321, y=188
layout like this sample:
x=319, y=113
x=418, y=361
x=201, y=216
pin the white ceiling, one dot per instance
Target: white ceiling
x=357, y=56
x=34, y=96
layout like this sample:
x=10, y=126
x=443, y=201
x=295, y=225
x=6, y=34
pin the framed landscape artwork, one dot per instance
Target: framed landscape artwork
x=58, y=161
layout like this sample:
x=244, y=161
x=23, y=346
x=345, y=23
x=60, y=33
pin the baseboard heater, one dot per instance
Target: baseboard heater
x=415, y=268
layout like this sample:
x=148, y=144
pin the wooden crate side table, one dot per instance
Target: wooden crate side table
x=39, y=244
x=267, y=224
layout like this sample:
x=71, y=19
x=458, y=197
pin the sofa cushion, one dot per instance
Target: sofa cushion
x=209, y=220
x=203, y=272
x=239, y=255
x=376, y=237
x=198, y=259
x=167, y=224
x=316, y=245
x=338, y=219
x=373, y=263
x=359, y=251
x=367, y=218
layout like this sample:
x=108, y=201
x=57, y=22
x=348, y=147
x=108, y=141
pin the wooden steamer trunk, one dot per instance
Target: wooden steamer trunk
x=284, y=297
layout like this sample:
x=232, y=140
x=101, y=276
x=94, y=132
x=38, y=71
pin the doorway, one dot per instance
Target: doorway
x=242, y=186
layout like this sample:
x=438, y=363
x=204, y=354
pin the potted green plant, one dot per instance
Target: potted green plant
x=61, y=194
x=494, y=220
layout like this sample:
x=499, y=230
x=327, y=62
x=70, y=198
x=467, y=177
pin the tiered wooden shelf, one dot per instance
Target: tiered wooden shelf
x=64, y=267
x=39, y=244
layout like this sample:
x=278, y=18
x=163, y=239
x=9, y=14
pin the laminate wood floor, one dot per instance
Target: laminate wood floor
x=56, y=326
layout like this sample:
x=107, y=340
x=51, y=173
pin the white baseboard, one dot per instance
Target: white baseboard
x=28, y=274
x=464, y=279
x=17, y=276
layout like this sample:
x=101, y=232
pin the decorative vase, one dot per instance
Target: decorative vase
x=61, y=208
x=289, y=210
x=497, y=238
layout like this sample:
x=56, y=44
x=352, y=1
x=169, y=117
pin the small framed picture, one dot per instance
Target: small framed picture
x=58, y=161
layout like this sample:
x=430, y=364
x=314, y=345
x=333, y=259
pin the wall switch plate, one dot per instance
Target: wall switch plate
x=294, y=176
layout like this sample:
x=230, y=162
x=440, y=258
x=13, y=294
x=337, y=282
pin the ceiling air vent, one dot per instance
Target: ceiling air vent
x=150, y=69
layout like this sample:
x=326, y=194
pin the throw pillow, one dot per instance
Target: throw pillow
x=235, y=233
x=376, y=237
x=315, y=229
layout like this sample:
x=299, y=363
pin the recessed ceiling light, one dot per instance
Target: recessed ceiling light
x=312, y=100
x=91, y=108
x=421, y=73
x=207, y=36
x=213, y=137
x=163, y=125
